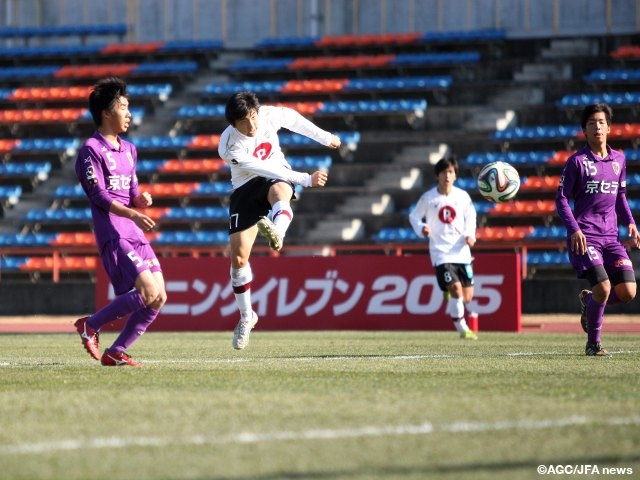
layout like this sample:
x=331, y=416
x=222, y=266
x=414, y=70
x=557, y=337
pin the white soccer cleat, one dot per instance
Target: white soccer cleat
x=268, y=229
x=243, y=330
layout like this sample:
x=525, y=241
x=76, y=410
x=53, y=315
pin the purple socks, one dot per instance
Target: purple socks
x=595, y=317
x=130, y=303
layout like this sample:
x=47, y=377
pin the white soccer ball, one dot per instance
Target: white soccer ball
x=498, y=182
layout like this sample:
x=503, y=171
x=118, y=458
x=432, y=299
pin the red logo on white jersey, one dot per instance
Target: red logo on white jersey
x=262, y=151
x=447, y=214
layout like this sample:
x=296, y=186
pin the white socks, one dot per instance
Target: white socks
x=281, y=215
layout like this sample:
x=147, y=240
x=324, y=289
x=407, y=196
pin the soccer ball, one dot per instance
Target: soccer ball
x=498, y=182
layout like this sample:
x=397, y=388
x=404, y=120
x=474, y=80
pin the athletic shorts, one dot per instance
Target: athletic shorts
x=249, y=202
x=124, y=260
x=609, y=253
x=449, y=273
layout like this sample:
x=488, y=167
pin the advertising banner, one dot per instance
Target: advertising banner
x=345, y=292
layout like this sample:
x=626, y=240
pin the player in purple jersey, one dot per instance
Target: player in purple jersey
x=106, y=169
x=595, y=178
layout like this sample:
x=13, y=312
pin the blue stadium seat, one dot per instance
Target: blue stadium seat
x=258, y=64
x=288, y=42
x=10, y=194
x=197, y=213
x=58, y=215
x=543, y=132
x=229, y=88
x=68, y=192
x=547, y=258
x=192, y=46
x=12, y=263
x=27, y=73
x=159, y=68
x=149, y=166
x=396, y=235
x=38, y=170
x=220, y=237
x=158, y=141
x=446, y=58
x=553, y=232
x=213, y=188
x=310, y=162
x=613, y=99
x=68, y=145
x=373, y=106
x=26, y=239
x=399, y=83
x=616, y=75
x=21, y=52
x=465, y=36
x=522, y=158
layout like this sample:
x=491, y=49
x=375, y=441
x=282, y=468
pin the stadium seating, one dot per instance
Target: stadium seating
x=354, y=62
x=331, y=86
x=359, y=107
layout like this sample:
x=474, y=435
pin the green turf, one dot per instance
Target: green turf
x=318, y=405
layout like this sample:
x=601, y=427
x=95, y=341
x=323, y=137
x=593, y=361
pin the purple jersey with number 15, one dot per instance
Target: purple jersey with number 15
x=597, y=187
x=108, y=173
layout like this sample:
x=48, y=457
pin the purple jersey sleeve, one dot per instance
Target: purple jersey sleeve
x=107, y=174
x=597, y=188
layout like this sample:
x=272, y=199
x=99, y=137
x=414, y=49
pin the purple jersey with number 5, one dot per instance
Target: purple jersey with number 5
x=108, y=173
x=598, y=189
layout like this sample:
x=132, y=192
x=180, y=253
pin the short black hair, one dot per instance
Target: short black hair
x=104, y=95
x=239, y=105
x=595, y=108
x=445, y=163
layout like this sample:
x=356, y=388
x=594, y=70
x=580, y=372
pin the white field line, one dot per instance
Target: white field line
x=426, y=428
x=318, y=358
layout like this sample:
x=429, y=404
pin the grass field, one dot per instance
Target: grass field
x=319, y=405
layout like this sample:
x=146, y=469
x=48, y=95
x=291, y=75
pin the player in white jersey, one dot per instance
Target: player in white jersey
x=262, y=181
x=446, y=216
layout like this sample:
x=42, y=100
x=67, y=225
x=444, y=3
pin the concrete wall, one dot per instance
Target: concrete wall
x=243, y=23
x=539, y=296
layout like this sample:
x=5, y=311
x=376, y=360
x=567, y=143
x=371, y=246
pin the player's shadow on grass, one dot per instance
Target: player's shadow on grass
x=523, y=467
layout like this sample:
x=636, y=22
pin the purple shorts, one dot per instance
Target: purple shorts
x=609, y=253
x=124, y=260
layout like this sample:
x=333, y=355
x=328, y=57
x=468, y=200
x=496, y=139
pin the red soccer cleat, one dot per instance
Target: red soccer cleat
x=118, y=359
x=89, y=337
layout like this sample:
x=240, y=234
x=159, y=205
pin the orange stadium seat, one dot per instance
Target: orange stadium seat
x=94, y=71
x=155, y=213
x=41, y=115
x=205, y=141
x=74, y=239
x=305, y=108
x=131, y=48
x=7, y=145
x=525, y=207
x=546, y=182
x=50, y=93
x=503, y=233
x=205, y=165
x=561, y=157
x=626, y=51
x=180, y=189
x=621, y=131
x=315, y=85
x=85, y=263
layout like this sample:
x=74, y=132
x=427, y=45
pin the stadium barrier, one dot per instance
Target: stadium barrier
x=354, y=292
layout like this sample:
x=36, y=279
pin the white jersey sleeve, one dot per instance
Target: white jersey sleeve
x=261, y=155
